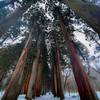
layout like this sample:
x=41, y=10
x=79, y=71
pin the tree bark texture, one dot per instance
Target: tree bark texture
x=37, y=88
x=54, y=80
x=15, y=84
x=85, y=88
x=60, y=85
x=25, y=86
x=33, y=73
x=11, y=18
x=88, y=11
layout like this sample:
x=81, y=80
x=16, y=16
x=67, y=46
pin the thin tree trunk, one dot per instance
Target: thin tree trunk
x=55, y=83
x=3, y=41
x=33, y=73
x=11, y=18
x=37, y=89
x=85, y=88
x=15, y=84
x=88, y=67
x=88, y=11
x=98, y=86
x=66, y=81
x=60, y=84
x=95, y=40
x=95, y=70
x=54, y=80
x=68, y=87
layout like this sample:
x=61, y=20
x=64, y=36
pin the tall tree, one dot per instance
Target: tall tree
x=11, y=18
x=60, y=85
x=46, y=83
x=54, y=76
x=37, y=88
x=15, y=84
x=85, y=88
x=33, y=73
x=88, y=11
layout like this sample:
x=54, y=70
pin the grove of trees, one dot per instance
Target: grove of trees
x=39, y=50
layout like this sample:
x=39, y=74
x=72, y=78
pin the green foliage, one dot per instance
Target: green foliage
x=10, y=55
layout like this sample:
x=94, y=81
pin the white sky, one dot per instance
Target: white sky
x=81, y=38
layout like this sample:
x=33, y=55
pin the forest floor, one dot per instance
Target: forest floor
x=50, y=96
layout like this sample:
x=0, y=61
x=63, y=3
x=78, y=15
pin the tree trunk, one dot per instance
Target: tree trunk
x=60, y=85
x=33, y=73
x=37, y=89
x=25, y=86
x=3, y=40
x=95, y=40
x=98, y=86
x=88, y=73
x=68, y=84
x=67, y=75
x=35, y=82
x=88, y=11
x=27, y=72
x=11, y=18
x=85, y=88
x=95, y=70
x=54, y=80
x=15, y=84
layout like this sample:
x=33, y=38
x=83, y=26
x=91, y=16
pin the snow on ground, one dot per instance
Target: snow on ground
x=98, y=93
x=1, y=94
x=50, y=96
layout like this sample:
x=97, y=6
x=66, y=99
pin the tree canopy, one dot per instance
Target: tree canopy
x=48, y=28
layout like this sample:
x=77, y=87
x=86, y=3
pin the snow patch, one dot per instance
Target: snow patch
x=50, y=96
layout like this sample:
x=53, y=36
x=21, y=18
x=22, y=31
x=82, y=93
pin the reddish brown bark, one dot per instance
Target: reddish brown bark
x=37, y=88
x=35, y=83
x=33, y=73
x=54, y=81
x=15, y=84
x=88, y=11
x=25, y=86
x=11, y=18
x=60, y=85
x=85, y=88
